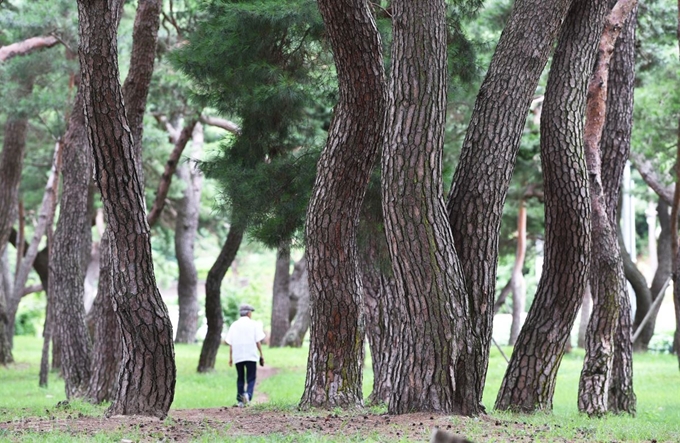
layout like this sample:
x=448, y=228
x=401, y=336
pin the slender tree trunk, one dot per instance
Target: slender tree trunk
x=281, y=295
x=147, y=379
x=186, y=226
x=517, y=279
x=213, y=301
x=5, y=288
x=430, y=301
x=299, y=285
x=336, y=351
x=70, y=254
x=529, y=381
x=480, y=184
x=674, y=232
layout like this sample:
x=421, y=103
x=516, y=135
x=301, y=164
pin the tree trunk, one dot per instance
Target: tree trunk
x=645, y=298
x=517, y=279
x=480, y=184
x=615, y=151
x=529, y=381
x=70, y=255
x=674, y=232
x=430, y=300
x=336, y=351
x=147, y=379
x=281, y=295
x=107, y=349
x=213, y=301
x=5, y=288
x=186, y=226
x=586, y=309
x=299, y=285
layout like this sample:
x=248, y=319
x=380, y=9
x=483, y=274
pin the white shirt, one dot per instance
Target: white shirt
x=243, y=336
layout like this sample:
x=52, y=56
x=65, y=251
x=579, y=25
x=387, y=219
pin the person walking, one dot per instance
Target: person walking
x=244, y=339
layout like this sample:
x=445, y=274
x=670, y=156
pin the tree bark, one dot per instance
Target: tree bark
x=70, y=254
x=334, y=366
x=430, y=300
x=607, y=281
x=213, y=301
x=27, y=46
x=146, y=381
x=299, y=285
x=186, y=227
x=586, y=309
x=5, y=288
x=615, y=152
x=480, y=184
x=107, y=343
x=281, y=295
x=529, y=381
x=517, y=284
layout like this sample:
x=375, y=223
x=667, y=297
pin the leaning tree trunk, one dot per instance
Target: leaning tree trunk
x=645, y=297
x=615, y=151
x=607, y=281
x=281, y=295
x=70, y=254
x=213, y=301
x=430, y=303
x=336, y=350
x=299, y=285
x=529, y=381
x=480, y=184
x=186, y=226
x=147, y=378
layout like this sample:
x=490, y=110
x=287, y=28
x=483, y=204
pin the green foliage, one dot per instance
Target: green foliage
x=31, y=315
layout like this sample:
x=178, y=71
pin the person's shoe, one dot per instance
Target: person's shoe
x=240, y=404
x=245, y=398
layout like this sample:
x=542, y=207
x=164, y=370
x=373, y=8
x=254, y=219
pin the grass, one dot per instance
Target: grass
x=657, y=385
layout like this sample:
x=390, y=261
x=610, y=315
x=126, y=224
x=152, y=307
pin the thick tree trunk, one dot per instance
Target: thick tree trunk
x=147, y=379
x=186, y=227
x=281, y=295
x=615, y=151
x=334, y=366
x=430, y=301
x=299, y=285
x=107, y=349
x=480, y=184
x=70, y=254
x=213, y=301
x=529, y=381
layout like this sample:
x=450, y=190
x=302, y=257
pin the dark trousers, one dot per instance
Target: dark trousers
x=249, y=367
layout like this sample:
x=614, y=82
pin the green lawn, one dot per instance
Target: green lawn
x=657, y=384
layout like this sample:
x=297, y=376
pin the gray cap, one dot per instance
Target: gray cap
x=245, y=308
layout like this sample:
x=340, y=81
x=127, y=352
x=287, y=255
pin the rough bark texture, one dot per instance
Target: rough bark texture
x=480, y=184
x=430, y=301
x=614, y=151
x=334, y=366
x=147, y=378
x=607, y=281
x=70, y=253
x=299, y=286
x=529, y=381
x=280, y=295
x=213, y=301
x=186, y=227
x=107, y=343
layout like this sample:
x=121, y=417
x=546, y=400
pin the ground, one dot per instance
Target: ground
x=183, y=425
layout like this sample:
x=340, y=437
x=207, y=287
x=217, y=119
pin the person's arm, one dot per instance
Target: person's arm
x=259, y=348
x=231, y=360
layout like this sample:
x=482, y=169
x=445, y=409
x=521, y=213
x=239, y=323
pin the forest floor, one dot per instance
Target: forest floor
x=260, y=420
